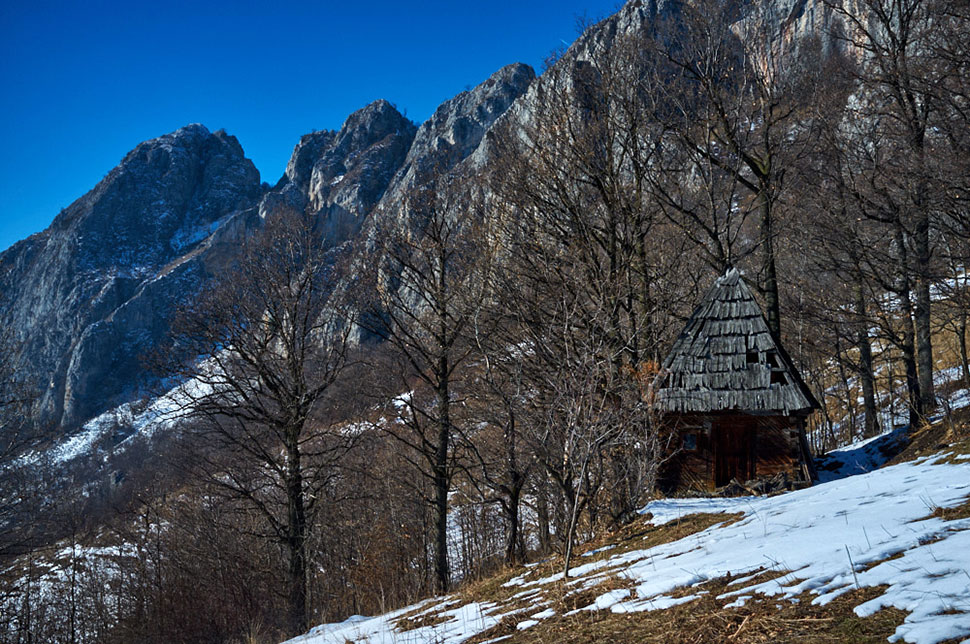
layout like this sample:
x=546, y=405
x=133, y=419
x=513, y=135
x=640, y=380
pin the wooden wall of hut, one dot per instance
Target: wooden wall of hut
x=713, y=449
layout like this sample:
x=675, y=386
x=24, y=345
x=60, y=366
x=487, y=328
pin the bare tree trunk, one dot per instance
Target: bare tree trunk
x=296, y=538
x=871, y=423
x=574, y=516
x=515, y=546
x=513, y=542
x=441, y=480
x=924, y=341
x=891, y=388
x=848, y=399
x=72, y=621
x=28, y=599
x=772, y=303
x=866, y=378
x=570, y=533
x=962, y=341
x=542, y=517
x=912, y=378
x=908, y=344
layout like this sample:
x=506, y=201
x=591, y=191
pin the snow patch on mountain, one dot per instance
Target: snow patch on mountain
x=128, y=420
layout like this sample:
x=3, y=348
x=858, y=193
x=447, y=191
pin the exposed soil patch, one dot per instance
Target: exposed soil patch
x=961, y=511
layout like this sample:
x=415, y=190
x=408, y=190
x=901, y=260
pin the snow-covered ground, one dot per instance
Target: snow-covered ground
x=860, y=457
x=872, y=529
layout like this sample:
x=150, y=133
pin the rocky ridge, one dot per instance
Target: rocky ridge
x=94, y=292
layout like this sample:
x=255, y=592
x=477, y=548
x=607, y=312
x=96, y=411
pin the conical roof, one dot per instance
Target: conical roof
x=725, y=359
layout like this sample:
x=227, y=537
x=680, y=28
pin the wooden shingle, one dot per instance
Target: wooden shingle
x=727, y=360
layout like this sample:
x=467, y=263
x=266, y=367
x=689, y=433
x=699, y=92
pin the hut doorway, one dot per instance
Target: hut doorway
x=734, y=457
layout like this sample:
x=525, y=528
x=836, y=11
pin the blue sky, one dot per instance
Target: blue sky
x=84, y=82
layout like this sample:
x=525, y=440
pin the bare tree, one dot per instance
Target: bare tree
x=16, y=397
x=19, y=496
x=585, y=278
x=428, y=275
x=732, y=105
x=950, y=50
x=256, y=356
x=500, y=461
x=899, y=76
x=580, y=406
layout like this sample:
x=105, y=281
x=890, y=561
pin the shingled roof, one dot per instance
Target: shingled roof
x=726, y=360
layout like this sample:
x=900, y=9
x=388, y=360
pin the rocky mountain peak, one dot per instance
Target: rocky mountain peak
x=192, y=139
x=77, y=293
x=341, y=175
x=192, y=130
x=367, y=135
x=375, y=121
x=157, y=200
x=360, y=130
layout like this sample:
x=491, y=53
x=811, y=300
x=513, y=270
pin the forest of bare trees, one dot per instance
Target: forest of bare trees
x=471, y=385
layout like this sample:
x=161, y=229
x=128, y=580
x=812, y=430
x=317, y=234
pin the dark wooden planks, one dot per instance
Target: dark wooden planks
x=723, y=359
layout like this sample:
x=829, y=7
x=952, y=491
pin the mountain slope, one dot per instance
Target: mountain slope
x=95, y=291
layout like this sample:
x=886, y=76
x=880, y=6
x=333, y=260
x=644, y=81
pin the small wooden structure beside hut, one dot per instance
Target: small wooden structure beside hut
x=732, y=395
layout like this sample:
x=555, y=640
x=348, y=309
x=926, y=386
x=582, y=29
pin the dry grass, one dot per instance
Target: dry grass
x=426, y=613
x=638, y=535
x=870, y=566
x=705, y=620
x=433, y=618
x=961, y=511
x=566, y=599
x=491, y=589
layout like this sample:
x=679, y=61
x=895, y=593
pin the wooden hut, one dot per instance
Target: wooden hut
x=732, y=395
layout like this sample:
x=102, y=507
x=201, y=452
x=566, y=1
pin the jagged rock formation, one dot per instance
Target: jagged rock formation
x=94, y=292
x=784, y=23
x=451, y=137
x=457, y=127
x=342, y=175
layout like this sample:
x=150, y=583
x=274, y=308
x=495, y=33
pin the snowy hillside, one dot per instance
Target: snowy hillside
x=896, y=531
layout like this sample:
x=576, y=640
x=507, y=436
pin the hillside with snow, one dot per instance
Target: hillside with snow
x=893, y=538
